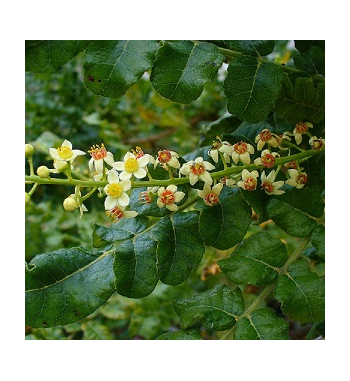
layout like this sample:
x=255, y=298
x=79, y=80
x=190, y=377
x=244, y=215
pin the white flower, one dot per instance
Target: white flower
x=300, y=129
x=248, y=181
x=269, y=184
x=132, y=166
x=197, y=170
x=115, y=191
x=266, y=136
x=297, y=179
x=210, y=195
x=98, y=156
x=218, y=146
x=267, y=158
x=316, y=143
x=169, y=196
x=241, y=152
x=119, y=212
x=138, y=153
x=166, y=157
x=65, y=153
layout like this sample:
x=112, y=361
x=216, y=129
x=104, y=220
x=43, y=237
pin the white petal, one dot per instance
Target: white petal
x=99, y=166
x=260, y=145
x=298, y=138
x=113, y=177
x=193, y=178
x=199, y=160
x=205, y=176
x=273, y=142
x=250, y=149
x=278, y=184
x=77, y=152
x=125, y=175
x=130, y=214
x=160, y=191
x=123, y=200
x=140, y=173
x=143, y=161
x=172, y=188
x=54, y=153
x=179, y=196
x=254, y=174
x=271, y=176
x=91, y=165
x=172, y=207
x=110, y=202
x=245, y=174
x=185, y=169
x=217, y=188
x=263, y=176
x=173, y=162
x=126, y=184
x=128, y=155
x=160, y=203
x=214, y=154
x=277, y=192
x=67, y=143
x=245, y=157
x=109, y=159
x=208, y=166
x=235, y=157
x=119, y=165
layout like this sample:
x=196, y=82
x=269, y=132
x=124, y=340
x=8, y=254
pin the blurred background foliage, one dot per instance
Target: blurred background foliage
x=58, y=107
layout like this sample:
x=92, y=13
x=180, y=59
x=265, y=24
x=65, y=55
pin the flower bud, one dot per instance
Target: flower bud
x=70, y=204
x=29, y=150
x=43, y=171
x=27, y=198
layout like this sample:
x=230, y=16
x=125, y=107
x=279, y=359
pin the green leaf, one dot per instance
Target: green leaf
x=301, y=294
x=226, y=223
x=312, y=61
x=252, y=88
x=94, y=330
x=119, y=231
x=45, y=56
x=182, y=68
x=190, y=334
x=251, y=47
x=301, y=100
x=255, y=261
x=257, y=200
x=295, y=211
x=67, y=285
x=215, y=309
x=169, y=250
x=318, y=240
x=111, y=67
x=261, y=324
x=180, y=247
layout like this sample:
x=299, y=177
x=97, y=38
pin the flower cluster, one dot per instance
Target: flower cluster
x=239, y=159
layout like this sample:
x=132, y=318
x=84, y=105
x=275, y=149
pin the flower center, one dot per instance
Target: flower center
x=131, y=165
x=317, y=144
x=115, y=214
x=301, y=128
x=265, y=135
x=98, y=152
x=240, y=148
x=198, y=168
x=250, y=184
x=164, y=156
x=211, y=199
x=115, y=190
x=291, y=165
x=268, y=187
x=268, y=160
x=64, y=152
x=167, y=197
x=302, y=178
x=138, y=153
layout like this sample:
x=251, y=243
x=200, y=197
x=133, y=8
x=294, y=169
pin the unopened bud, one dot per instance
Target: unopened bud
x=29, y=150
x=27, y=198
x=43, y=171
x=70, y=204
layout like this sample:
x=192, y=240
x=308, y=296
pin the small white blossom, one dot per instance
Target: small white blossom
x=266, y=136
x=167, y=158
x=65, y=153
x=249, y=180
x=198, y=170
x=300, y=129
x=119, y=212
x=115, y=190
x=132, y=166
x=241, y=152
x=269, y=184
x=297, y=179
x=98, y=156
x=224, y=147
x=168, y=197
x=210, y=195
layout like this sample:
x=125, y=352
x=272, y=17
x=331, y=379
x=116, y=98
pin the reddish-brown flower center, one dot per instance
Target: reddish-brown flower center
x=115, y=214
x=146, y=197
x=240, y=148
x=268, y=160
x=138, y=152
x=98, y=152
x=250, y=184
x=211, y=199
x=198, y=168
x=164, y=156
x=301, y=128
x=291, y=165
x=265, y=135
x=167, y=197
x=268, y=187
x=302, y=178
